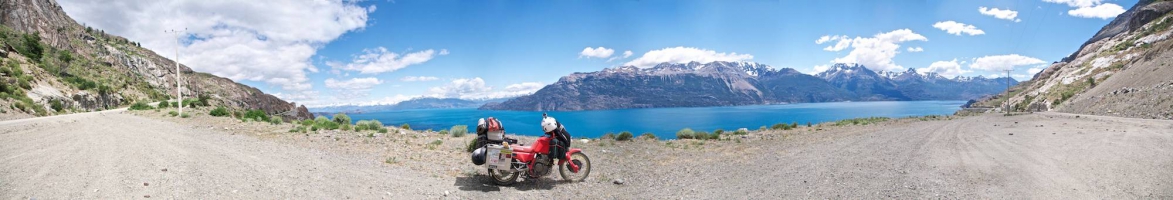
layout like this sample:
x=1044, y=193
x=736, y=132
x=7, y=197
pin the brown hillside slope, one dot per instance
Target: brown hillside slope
x=83, y=69
x=1126, y=69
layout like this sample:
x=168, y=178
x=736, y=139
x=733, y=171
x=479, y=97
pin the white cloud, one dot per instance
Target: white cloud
x=915, y=49
x=1091, y=8
x=418, y=78
x=379, y=60
x=475, y=89
x=250, y=40
x=598, y=52
x=1036, y=69
x=876, y=52
x=956, y=28
x=1000, y=14
x=354, y=83
x=685, y=55
x=999, y=63
x=626, y=54
x=828, y=38
x=1075, y=3
x=1102, y=11
x=948, y=69
x=818, y=69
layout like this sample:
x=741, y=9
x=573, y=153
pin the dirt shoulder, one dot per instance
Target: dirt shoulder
x=1045, y=155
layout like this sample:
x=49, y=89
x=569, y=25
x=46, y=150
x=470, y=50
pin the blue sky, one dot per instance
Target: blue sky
x=364, y=52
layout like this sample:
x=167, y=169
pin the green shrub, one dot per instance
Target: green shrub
x=719, y=131
x=345, y=127
x=325, y=123
x=140, y=106
x=793, y=124
x=275, y=120
x=608, y=136
x=701, y=135
x=173, y=113
x=164, y=104
x=472, y=145
x=685, y=133
x=624, y=136
x=56, y=105
x=382, y=130
x=405, y=126
x=443, y=131
x=373, y=125
x=740, y=132
x=175, y=104
x=861, y=121
x=256, y=115
x=341, y=118
x=219, y=112
x=648, y=136
x=808, y=124
x=780, y=126
x=308, y=122
x=459, y=130
x=185, y=115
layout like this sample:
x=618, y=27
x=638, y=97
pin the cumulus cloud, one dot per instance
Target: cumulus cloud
x=915, y=49
x=1102, y=11
x=379, y=60
x=685, y=55
x=948, y=69
x=956, y=28
x=1075, y=3
x=475, y=89
x=626, y=54
x=1036, y=69
x=418, y=78
x=249, y=40
x=598, y=52
x=1091, y=8
x=1000, y=14
x=999, y=63
x=875, y=53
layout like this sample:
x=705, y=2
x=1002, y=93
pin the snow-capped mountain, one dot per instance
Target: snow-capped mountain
x=730, y=83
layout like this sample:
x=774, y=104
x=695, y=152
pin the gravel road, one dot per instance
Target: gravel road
x=1036, y=156
x=109, y=155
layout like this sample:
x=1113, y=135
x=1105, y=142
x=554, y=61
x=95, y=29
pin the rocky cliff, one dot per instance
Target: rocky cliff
x=1125, y=69
x=60, y=66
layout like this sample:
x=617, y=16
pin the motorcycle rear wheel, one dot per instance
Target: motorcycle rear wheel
x=584, y=167
x=502, y=177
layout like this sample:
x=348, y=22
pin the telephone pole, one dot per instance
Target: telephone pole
x=178, y=87
x=1006, y=107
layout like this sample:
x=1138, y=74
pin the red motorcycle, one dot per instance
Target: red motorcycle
x=506, y=160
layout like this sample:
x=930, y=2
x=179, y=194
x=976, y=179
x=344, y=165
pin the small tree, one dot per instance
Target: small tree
x=405, y=126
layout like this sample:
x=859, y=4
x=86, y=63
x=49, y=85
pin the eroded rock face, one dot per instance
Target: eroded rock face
x=134, y=73
x=1121, y=71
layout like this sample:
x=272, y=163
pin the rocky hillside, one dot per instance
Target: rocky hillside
x=1126, y=69
x=53, y=65
x=739, y=83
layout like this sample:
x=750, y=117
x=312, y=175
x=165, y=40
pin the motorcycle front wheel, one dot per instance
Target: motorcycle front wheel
x=584, y=168
x=503, y=177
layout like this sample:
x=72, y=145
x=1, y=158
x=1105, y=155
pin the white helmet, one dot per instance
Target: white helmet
x=549, y=124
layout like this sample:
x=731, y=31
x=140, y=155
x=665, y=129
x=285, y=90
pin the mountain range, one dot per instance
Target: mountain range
x=416, y=103
x=721, y=83
x=53, y=65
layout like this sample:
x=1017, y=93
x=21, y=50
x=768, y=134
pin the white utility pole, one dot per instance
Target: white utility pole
x=178, y=87
x=1007, y=102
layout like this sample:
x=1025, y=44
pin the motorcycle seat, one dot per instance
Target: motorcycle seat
x=519, y=148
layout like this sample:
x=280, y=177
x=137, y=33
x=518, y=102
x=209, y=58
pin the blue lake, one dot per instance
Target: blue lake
x=664, y=122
